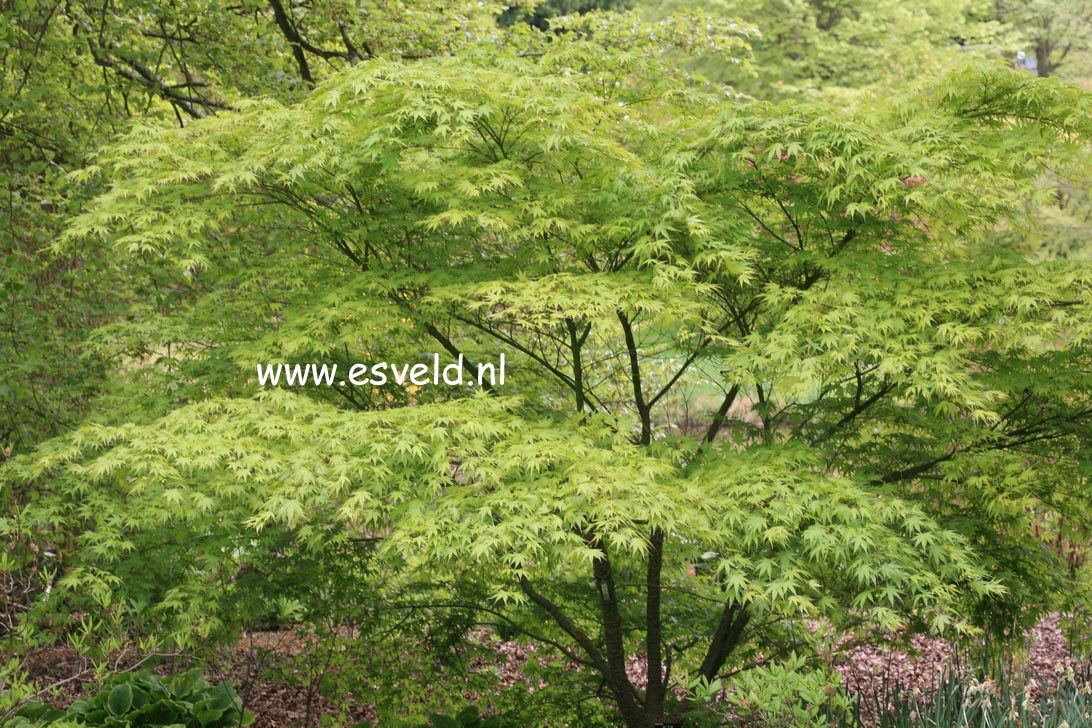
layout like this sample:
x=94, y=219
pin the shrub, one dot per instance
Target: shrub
x=146, y=700
x=789, y=695
x=468, y=717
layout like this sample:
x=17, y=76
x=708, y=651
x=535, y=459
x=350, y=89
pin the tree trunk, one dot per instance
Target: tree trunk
x=654, y=673
x=1042, y=58
x=630, y=705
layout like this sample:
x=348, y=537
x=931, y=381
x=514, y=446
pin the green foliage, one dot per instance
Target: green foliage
x=826, y=47
x=468, y=717
x=145, y=699
x=16, y=690
x=1061, y=225
x=885, y=398
x=544, y=11
x=75, y=74
x=418, y=660
x=790, y=694
x=1001, y=698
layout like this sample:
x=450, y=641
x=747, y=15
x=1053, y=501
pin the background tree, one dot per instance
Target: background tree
x=821, y=47
x=540, y=14
x=1053, y=29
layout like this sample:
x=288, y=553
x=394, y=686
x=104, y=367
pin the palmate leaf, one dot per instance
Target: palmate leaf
x=531, y=497
x=777, y=364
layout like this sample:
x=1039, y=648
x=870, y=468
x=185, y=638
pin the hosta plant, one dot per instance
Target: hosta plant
x=146, y=700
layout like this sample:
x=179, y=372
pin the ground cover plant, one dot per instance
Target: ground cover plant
x=144, y=699
x=766, y=364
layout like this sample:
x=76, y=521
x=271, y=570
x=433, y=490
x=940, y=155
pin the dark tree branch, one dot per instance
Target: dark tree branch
x=450, y=348
x=860, y=407
x=1033, y=432
x=656, y=677
x=595, y=655
x=575, y=345
x=300, y=46
x=141, y=74
x=353, y=53
x=555, y=370
x=643, y=410
x=288, y=30
x=721, y=416
x=678, y=375
x=733, y=619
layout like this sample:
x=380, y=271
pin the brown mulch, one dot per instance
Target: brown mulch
x=280, y=701
x=864, y=668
